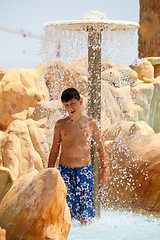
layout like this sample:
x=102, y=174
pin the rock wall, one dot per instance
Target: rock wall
x=134, y=166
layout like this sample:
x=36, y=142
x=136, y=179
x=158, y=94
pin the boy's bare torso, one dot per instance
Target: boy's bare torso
x=75, y=141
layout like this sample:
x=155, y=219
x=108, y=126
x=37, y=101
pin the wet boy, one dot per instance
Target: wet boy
x=74, y=133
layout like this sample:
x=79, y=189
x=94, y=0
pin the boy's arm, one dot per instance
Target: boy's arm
x=101, y=153
x=55, y=146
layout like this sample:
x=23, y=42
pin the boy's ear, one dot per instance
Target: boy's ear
x=81, y=101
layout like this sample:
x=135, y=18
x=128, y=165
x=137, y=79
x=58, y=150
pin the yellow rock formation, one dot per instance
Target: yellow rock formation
x=6, y=180
x=2, y=72
x=134, y=174
x=2, y=234
x=59, y=75
x=19, y=90
x=18, y=152
x=120, y=76
x=145, y=71
x=35, y=207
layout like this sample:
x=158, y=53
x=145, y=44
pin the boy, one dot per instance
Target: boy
x=74, y=133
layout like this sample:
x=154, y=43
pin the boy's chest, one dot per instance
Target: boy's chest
x=74, y=132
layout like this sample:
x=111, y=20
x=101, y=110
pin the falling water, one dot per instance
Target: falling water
x=119, y=46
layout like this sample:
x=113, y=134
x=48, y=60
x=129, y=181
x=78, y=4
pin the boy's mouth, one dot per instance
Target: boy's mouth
x=73, y=111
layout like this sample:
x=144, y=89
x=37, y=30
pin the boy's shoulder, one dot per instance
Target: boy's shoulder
x=91, y=119
x=93, y=122
x=59, y=125
x=62, y=121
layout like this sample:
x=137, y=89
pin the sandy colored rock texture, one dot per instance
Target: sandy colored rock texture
x=18, y=152
x=19, y=90
x=145, y=71
x=35, y=207
x=6, y=181
x=132, y=151
x=2, y=72
x=2, y=234
x=60, y=75
x=156, y=64
x=120, y=76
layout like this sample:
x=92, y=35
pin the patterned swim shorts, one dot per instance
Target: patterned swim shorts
x=79, y=183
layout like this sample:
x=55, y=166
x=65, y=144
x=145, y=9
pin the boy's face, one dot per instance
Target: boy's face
x=73, y=107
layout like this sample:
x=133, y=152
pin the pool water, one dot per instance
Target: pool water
x=118, y=225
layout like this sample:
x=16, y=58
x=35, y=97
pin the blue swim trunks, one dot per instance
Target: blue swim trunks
x=79, y=183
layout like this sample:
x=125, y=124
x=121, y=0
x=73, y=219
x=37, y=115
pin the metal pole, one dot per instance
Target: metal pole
x=94, y=100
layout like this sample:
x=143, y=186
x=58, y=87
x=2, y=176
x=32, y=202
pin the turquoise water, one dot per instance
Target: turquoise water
x=118, y=225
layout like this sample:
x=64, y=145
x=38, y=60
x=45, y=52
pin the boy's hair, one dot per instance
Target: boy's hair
x=69, y=94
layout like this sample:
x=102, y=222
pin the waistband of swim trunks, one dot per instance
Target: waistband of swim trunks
x=76, y=168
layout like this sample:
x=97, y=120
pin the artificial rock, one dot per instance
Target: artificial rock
x=132, y=154
x=2, y=72
x=19, y=90
x=6, y=180
x=145, y=71
x=35, y=207
x=2, y=234
x=18, y=152
x=120, y=76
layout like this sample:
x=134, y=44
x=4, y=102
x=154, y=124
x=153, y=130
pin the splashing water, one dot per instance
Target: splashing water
x=117, y=225
x=119, y=46
x=94, y=15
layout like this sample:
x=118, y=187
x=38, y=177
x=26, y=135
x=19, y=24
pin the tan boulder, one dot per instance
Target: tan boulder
x=134, y=173
x=120, y=76
x=83, y=63
x=111, y=75
x=147, y=102
x=41, y=136
x=2, y=72
x=106, y=64
x=121, y=129
x=35, y=207
x=145, y=71
x=154, y=120
x=142, y=96
x=117, y=103
x=19, y=90
x=46, y=109
x=81, y=84
x=19, y=154
x=60, y=75
x=6, y=181
x=157, y=70
x=2, y=134
x=2, y=234
x=156, y=64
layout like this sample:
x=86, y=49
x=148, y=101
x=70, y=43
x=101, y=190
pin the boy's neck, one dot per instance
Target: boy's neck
x=77, y=118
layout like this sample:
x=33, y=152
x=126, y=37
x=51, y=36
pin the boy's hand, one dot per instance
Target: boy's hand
x=103, y=176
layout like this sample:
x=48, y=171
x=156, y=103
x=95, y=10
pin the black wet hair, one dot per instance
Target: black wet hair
x=69, y=94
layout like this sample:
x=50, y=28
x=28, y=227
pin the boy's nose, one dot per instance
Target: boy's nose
x=70, y=107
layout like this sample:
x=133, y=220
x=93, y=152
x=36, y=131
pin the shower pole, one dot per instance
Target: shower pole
x=94, y=100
